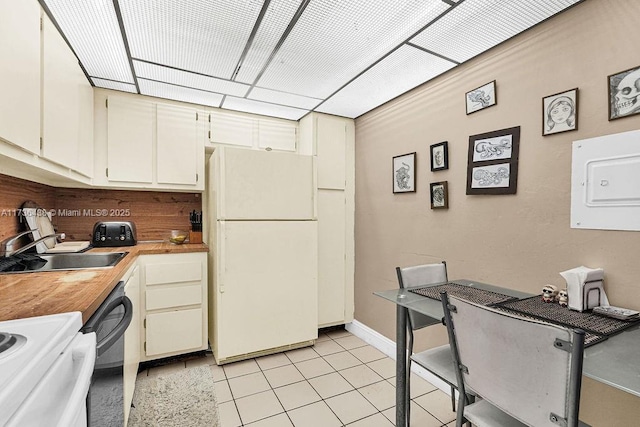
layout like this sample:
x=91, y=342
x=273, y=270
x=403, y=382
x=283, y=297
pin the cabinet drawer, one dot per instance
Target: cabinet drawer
x=179, y=296
x=174, y=331
x=158, y=274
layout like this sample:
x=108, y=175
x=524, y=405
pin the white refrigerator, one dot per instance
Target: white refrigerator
x=260, y=210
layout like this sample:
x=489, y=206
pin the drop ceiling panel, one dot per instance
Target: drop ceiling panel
x=335, y=40
x=187, y=79
x=108, y=84
x=401, y=71
x=475, y=26
x=93, y=31
x=178, y=93
x=289, y=99
x=257, y=107
x=203, y=36
x=274, y=23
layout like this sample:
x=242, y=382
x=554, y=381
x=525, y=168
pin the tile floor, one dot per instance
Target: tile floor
x=340, y=381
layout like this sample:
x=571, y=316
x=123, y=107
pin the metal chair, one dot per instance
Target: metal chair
x=527, y=372
x=438, y=360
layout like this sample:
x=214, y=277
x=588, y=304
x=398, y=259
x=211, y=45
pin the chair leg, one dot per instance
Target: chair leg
x=408, y=379
x=453, y=398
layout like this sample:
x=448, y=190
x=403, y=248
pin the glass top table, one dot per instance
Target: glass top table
x=614, y=361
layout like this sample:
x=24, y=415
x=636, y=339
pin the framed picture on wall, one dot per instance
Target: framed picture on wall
x=492, y=166
x=481, y=97
x=404, y=173
x=624, y=93
x=439, y=195
x=560, y=112
x=439, y=156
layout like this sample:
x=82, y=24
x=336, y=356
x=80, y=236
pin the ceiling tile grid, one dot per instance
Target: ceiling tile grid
x=93, y=31
x=204, y=36
x=475, y=26
x=284, y=58
x=399, y=72
x=188, y=79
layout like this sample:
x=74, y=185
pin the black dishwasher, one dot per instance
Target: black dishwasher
x=105, y=401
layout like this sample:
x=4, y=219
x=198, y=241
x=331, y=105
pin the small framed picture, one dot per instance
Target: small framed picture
x=560, y=112
x=492, y=166
x=439, y=195
x=440, y=156
x=481, y=98
x=624, y=93
x=404, y=173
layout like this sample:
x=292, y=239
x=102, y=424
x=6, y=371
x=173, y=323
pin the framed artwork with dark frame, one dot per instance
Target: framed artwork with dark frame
x=404, y=173
x=439, y=156
x=624, y=93
x=482, y=97
x=492, y=166
x=560, y=112
x=439, y=195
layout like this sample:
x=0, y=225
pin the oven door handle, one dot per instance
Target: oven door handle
x=113, y=336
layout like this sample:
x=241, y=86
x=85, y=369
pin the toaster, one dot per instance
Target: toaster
x=113, y=233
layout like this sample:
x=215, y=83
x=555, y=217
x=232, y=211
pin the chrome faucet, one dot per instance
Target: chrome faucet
x=6, y=246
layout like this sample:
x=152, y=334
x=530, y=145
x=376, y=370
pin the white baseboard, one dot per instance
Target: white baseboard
x=388, y=347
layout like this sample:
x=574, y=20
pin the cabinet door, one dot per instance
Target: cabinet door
x=173, y=331
x=20, y=74
x=331, y=149
x=130, y=140
x=176, y=145
x=67, y=103
x=277, y=135
x=331, y=257
x=132, y=341
x=231, y=129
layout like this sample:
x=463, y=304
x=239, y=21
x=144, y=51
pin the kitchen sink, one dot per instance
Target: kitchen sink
x=57, y=262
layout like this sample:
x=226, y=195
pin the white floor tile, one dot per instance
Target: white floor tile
x=342, y=360
x=329, y=346
x=217, y=372
x=438, y=404
x=273, y=361
x=381, y=394
x=283, y=375
x=301, y=354
x=314, y=367
x=340, y=333
x=350, y=407
x=246, y=385
x=280, y=420
x=360, y=376
x=229, y=415
x=367, y=353
x=314, y=415
x=330, y=385
x=258, y=406
x=377, y=420
x=296, y=395
x=386, y=367
x=350, y=342
x=237, y=369
x=223, y=392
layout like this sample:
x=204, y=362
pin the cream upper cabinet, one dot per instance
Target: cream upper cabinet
x=331, y=149
x=233, y=129
x=20, y=74
x=177, y=145
x=130, y=140
x=67, y=114
x=276, y=135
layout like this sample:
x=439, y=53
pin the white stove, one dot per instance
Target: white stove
x=43, y=364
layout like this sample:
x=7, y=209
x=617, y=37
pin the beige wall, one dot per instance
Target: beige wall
x=519, y=241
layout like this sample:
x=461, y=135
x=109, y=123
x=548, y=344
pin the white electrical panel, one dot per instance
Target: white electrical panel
x=605, y=182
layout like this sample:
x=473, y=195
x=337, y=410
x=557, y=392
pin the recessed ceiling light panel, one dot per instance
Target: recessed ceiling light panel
x=401, y=71
x=193, y=80
x=257, y=107
x=108, y=84
x=335, y=40
x=177, y=93
x=283, y=98
x=92, y=29
x=476, y=26
x=204, y=36
x=275, y=21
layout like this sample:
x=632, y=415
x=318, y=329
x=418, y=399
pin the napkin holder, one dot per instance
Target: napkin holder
x=585, y=288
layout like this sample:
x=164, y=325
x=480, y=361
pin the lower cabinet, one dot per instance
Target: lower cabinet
x=174, y=301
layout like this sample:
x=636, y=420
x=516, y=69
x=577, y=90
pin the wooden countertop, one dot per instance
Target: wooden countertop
x=39, y=294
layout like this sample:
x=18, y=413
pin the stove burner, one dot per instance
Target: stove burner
x=10, y=343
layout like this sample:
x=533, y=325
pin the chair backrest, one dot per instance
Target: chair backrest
x=529, y=369
x=426, y=274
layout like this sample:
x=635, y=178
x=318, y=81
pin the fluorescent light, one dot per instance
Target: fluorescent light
x=108, y=84
x=204, y=36
x=283, y=98
x=257, y=107
x=92, y=29
x=476, y=26
x=183, y=78
x=335, y=40
x=401, y=71
x=177, y=93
